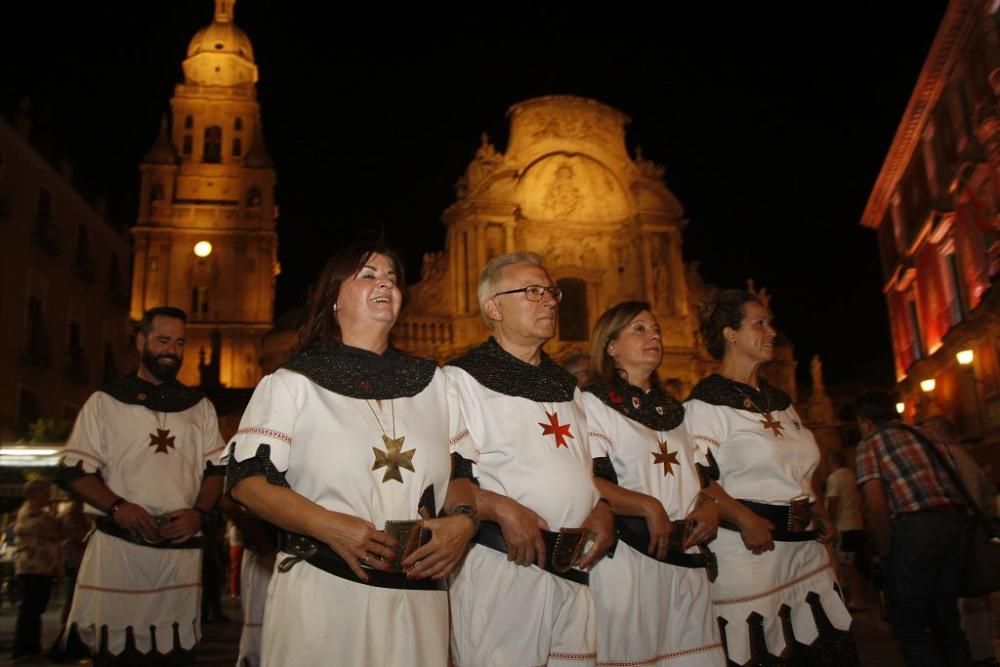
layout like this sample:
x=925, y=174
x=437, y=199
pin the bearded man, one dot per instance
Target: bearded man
x=140, y=455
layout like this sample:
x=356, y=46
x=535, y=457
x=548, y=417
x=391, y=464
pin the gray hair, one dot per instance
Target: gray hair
x=489, y=279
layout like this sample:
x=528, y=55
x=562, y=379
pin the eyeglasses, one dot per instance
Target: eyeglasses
x=535, y=292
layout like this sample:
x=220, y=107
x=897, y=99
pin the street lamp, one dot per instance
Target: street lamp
x=900, y=407
x=202, y=249
x=965, y=357
x=927, y=386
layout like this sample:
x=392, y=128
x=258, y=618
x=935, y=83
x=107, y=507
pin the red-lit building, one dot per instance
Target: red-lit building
x=935, y=210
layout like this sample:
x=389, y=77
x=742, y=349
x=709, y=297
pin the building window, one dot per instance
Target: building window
x=28, y=411
x=156, y=193
x=199, y=301
x=37, y=347
x=253, y=196
x=109, y=368
x=237, y=147
x=573, y=310
x=186, y=149
x=953, y=288
x=212, y=151
x=188, y=122
x=238, y=123
x=916, y=338
x=83, y=265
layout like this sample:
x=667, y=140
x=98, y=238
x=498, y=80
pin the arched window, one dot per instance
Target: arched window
x=573, y=322
x=199, y=302
x=212, y=151
x=156, y=192
x=188, y=122
x=238, y=123
x=253, y=196
x=237, y=147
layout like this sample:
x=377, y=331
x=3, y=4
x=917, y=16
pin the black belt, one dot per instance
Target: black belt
x=107, y=525
x=320, y=555
x=632, y=530
x=491, y=536
x=780, y=516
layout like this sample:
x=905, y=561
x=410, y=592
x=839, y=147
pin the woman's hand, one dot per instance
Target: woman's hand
x=600, y=523
x=703, y=522
x=756, y=533
x=659, y=526
x=824, y=525
x=437, y=558
x=521, y=530
x=356, y=541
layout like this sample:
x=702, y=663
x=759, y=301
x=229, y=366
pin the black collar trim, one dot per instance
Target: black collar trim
x=357, y=373
x=718, y=390
x=653, y=409
x=496, y=369
x=164, y=397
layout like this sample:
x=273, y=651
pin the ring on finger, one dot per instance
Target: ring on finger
x=367, y=557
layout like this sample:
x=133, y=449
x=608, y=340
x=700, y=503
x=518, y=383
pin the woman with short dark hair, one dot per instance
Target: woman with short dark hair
x=776, y=594
x=346, y=449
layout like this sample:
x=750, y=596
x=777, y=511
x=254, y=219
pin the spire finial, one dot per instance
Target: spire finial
x=224, y=10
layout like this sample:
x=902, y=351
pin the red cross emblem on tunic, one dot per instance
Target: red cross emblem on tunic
x=560, y=431
x=163, y=441
x=770, y=422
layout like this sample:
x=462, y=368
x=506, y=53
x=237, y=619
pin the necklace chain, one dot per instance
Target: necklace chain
x=392, y=409
x=748, y=397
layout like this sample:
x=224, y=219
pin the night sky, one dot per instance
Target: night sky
x=772, y=123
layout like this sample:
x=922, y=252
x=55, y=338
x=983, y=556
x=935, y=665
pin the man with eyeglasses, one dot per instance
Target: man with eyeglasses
x=521, y=596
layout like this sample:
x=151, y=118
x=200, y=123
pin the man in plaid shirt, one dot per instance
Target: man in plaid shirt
x=919, y=520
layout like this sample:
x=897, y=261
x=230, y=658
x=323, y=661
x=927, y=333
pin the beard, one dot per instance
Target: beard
x=163, y=373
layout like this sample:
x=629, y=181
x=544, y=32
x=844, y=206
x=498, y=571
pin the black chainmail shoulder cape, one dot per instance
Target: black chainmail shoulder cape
x=718, y=390
x=169, y=396
x=496, y=369
x=357, y=373
x=653, y=409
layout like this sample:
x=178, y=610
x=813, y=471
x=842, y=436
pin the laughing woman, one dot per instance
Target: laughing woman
x=652, y=596
x=776, y=593
x=346, y=449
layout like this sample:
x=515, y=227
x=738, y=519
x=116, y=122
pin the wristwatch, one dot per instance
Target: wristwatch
x=469, y=511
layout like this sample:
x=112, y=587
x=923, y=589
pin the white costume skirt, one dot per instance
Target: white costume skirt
x=653, y=614
x=507, y=615
x=255, y=574
x=123, y=585
x=796, y=580
x=317, y=619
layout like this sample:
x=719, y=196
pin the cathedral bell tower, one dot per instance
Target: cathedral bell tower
x=205, y=236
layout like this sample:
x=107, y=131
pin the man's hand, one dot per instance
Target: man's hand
x=601, y=523
x=181, y=525
x=436, y=559
x=521, y=530
x=135, y=518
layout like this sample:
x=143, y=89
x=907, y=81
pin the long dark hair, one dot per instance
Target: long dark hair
x=321, y=324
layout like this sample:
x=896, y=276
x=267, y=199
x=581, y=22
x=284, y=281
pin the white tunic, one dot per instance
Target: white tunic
x=756, y=465
x=650, y=613
x=505, y=614
x=121, y=584
x=323, y=443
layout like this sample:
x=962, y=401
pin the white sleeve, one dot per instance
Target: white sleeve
x=706, y=426
x=268, y=420
x=601, y=443
x=86, y=444
x=212, y=443
x=460, y=393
